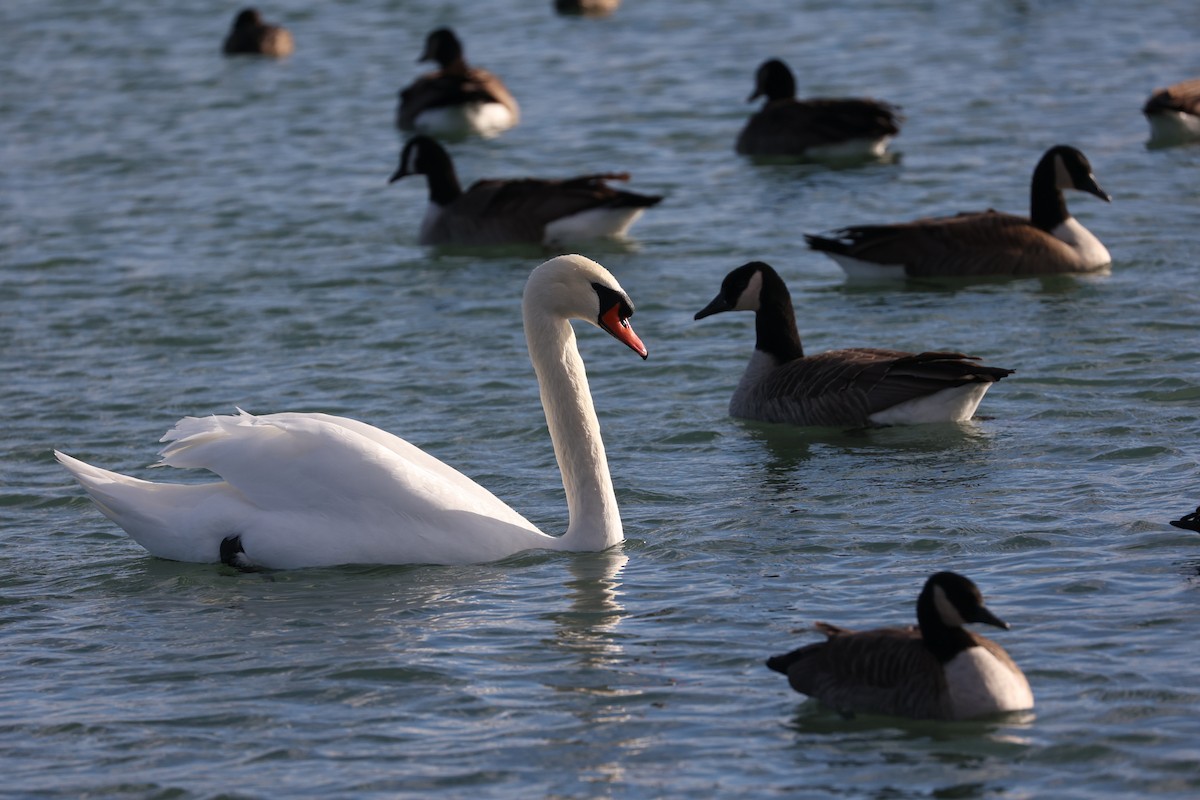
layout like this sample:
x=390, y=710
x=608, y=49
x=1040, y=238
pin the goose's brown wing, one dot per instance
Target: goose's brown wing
x=267, y=40
x=441, y=88
x=845, y=387
x=973, y=243
x=1183, y=96
x=883, y=671
x=793, y=126
x=518, y=210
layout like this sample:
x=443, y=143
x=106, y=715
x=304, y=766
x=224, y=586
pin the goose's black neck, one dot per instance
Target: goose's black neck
x=943, y=640
x=775, y=321
x=1047, y=205
x=444, y=187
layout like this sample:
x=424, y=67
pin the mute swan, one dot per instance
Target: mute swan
x=310, y=490
x=820, y=127
x=989, y=242
x=937, y=670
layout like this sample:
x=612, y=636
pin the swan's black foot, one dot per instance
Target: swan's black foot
x=1189, y=522
x=234, y=556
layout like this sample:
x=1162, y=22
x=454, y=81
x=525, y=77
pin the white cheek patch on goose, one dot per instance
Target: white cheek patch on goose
x=410, y=161
x=749, y=298
x=1062, y=176
x=946, y=609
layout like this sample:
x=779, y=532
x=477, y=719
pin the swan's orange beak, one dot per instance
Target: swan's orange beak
x=622, y=331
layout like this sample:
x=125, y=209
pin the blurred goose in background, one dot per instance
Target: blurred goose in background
x=938, y=670
x=312, y=490
x=528, y=210
x=586, y=8
x=251, y=36
x=1174, y=114
x=857, y=387
x=457, y=99
x=815, y=128
x=985, y=242
x=1189, y=522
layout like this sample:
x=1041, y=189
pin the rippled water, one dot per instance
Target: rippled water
x=182, y=234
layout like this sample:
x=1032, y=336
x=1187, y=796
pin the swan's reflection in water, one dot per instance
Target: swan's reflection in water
x=585, y=628
x=594, y=669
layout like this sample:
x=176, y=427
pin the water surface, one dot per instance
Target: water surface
x=185, y=234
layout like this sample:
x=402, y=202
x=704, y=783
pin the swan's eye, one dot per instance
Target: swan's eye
x=613, y=302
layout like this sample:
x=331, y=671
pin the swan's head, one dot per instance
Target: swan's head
x=575, y=287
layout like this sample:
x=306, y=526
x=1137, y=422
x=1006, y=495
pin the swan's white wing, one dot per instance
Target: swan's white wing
x=402, y=448
x=305, y=461
x=326, y=490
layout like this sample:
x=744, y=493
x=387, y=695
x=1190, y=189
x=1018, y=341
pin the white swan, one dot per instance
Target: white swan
x=309, y=490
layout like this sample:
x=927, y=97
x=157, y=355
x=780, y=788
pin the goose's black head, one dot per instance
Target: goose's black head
x=773, y=80
x=248, y=19
x=741, y=290
x=1071, y=170
x=442, y=46
x=953, y=601
x=757, y=287
x=421, y=156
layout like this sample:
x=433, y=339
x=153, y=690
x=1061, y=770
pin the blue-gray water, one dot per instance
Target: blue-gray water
x=182, y=234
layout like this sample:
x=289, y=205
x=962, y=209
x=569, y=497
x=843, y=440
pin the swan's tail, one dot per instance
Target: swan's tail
x=189, y=439
x=151, y=513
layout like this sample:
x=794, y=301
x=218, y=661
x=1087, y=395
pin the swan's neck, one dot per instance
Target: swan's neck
x=595, y=522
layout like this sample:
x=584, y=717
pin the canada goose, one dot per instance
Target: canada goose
x=311, y=490
x=937, y=670
x=251, y=36
x=1189, y=522
x=457, y=99
x=530, y=210
x=986, y=242
x=857, y=387
x=1174, y=114
x=586, y=8
x=815, y=128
